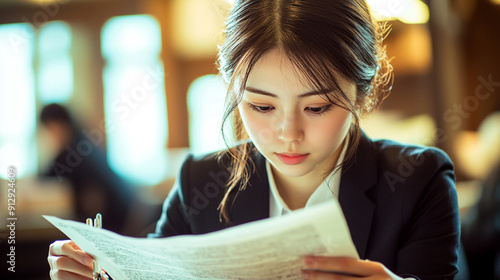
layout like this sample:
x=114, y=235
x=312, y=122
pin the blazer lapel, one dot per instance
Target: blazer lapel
x=355, y=182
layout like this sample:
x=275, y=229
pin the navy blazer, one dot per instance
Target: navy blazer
x=399, y=201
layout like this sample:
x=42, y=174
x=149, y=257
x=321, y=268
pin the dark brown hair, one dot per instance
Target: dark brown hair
x=324, y=39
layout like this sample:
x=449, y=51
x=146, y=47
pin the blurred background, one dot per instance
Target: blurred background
x=138, y=88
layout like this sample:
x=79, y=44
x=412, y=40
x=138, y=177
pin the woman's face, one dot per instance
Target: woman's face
x=298, y=131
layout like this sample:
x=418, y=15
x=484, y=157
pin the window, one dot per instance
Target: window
x=206, y=97
x=134, y=98
x=17, y=99
x=55, y=66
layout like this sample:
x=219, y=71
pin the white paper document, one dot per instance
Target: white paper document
x=267, y=249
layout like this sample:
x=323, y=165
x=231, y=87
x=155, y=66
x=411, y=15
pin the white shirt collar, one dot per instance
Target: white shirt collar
x=328, y=189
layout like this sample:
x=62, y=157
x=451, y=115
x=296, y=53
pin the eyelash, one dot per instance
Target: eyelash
x=267, y=109
x=259, y=109
x=323, y=111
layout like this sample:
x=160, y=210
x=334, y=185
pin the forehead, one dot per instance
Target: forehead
x=276, y=73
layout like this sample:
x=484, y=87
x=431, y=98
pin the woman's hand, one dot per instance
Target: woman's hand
x=347, y=268
x=67, y=261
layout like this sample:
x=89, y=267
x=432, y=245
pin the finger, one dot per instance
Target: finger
x=60, y=264
x=61, y=274
x=70, y=249
x=56, y=248
x=344, y=264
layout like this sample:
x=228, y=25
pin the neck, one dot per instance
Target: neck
x=296, y=191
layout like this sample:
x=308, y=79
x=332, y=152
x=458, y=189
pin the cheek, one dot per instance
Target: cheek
x=257, y=127
x=332, y=130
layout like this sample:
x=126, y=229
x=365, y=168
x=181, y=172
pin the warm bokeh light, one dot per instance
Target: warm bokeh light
x=197, y=25
x=411, y=50
x=407, y=11
x=45, y=2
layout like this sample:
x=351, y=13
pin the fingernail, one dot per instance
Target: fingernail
x=309, y=261
x=305, y=274
x=87, y=260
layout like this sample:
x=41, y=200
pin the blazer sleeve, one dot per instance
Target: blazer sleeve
x=430, y=242
x=174, y=218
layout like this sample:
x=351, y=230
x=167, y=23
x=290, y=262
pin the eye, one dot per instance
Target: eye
x=260, y=109
x=319, y=110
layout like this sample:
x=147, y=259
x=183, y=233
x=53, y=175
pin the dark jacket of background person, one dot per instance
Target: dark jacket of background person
x=481, y=231
x=399, y=201
x=96, y=188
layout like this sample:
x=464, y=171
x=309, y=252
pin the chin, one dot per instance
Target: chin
x=293, y=170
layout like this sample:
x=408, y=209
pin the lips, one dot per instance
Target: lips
x=292, y=158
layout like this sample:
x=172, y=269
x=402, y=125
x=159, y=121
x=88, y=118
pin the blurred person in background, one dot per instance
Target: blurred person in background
x=481, y=225
x=80, y=161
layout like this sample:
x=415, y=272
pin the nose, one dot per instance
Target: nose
x=290, y=130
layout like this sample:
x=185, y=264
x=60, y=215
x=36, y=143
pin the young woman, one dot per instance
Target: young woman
x=300, y=74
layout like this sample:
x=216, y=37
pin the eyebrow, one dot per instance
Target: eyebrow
x=310, y=93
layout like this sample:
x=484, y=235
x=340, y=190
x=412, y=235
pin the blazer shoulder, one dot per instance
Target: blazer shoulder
x=201, y=169
x=413, y=167
x=394, y=153
x=193, y=199
x=201, y=186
